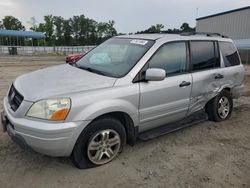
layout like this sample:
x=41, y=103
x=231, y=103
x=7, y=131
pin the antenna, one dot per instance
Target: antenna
x=197, y=11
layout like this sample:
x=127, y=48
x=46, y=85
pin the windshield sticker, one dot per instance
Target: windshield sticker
x=140, y=42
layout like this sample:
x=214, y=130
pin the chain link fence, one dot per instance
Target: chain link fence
x=65, y=50
x=40, y=50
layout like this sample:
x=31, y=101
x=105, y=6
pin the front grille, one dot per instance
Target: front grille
x=15, y=98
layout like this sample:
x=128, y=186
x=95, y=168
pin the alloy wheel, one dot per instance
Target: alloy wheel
x=223, y=107
x=104, y=146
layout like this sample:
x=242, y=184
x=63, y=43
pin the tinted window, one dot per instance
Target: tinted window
x=203, y=55
x=170, y=57
x=230, y=55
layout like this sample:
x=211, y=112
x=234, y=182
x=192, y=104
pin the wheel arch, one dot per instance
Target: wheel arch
x=222, y=89
x=227, y=88
x=127, y=122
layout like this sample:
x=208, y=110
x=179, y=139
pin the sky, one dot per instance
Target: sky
x=129, y=15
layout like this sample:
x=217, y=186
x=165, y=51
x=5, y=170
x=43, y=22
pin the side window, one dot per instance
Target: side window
x=203, y=55
x=171, y=57
x=230, y=55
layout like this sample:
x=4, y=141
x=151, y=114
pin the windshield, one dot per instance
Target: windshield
x=115, y=57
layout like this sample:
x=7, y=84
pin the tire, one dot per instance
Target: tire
x=96, y=141
x=214, y=108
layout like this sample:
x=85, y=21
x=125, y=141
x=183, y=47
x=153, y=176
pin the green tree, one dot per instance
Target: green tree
x=67, y=32
x=49, y=29
x=186, y=28
x=58, y=22
x=101, y=29
x=159, y=28
x=83, y=29
x=41, y=27
x=1, y=25
x=106, y=30
x=111, y=31
x=74, y=23
x=92, y=35
x=12, y=23
x=153, y=29
x=174, y=31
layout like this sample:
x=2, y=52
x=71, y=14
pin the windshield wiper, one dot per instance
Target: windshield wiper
x=92, y=70
x=73, y=64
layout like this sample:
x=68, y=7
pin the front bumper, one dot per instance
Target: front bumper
x=7, y=127
x=49, y=138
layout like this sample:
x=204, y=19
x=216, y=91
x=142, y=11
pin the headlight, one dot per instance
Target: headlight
x=52, y=109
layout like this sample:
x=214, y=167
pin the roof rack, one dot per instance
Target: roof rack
x=203, y=33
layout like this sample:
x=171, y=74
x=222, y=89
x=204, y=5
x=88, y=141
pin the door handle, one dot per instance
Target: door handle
x=218, y=76
x=184, y=83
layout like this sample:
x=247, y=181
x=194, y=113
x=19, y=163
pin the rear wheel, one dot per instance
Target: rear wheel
x=220, y=107
x=99, y=143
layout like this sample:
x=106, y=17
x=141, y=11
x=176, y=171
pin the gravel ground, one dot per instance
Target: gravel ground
x=206, y=155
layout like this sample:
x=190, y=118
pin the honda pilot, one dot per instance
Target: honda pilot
x=130, y=87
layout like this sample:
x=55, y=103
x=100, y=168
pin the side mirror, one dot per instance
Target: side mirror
x=155, y=74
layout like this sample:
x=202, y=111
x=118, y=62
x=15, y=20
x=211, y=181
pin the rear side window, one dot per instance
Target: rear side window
x=229, y=53
x=204, y=55
x=171, y=57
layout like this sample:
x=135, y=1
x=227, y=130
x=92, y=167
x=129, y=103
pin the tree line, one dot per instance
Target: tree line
x=159, y=28
x=78, y=30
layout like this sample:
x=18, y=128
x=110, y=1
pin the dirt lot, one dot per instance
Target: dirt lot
x=206, y=155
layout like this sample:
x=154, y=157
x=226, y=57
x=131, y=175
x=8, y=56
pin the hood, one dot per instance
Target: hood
x=59, y=80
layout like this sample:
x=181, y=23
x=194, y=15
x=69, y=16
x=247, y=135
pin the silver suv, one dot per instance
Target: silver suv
x=129, y=87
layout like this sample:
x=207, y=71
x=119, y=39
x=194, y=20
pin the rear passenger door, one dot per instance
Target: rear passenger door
x=206, y=72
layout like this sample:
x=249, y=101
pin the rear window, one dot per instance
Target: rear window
x=229, y=53
x=204, y=55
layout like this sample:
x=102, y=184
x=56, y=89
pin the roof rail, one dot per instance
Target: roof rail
x=203, y=33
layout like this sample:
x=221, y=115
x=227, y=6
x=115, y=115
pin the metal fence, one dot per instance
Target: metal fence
x=65, y=50
x=32, y=50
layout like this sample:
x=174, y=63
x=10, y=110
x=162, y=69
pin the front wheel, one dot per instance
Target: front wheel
x=103, y=146
x=99, y=143
x=220, y=107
